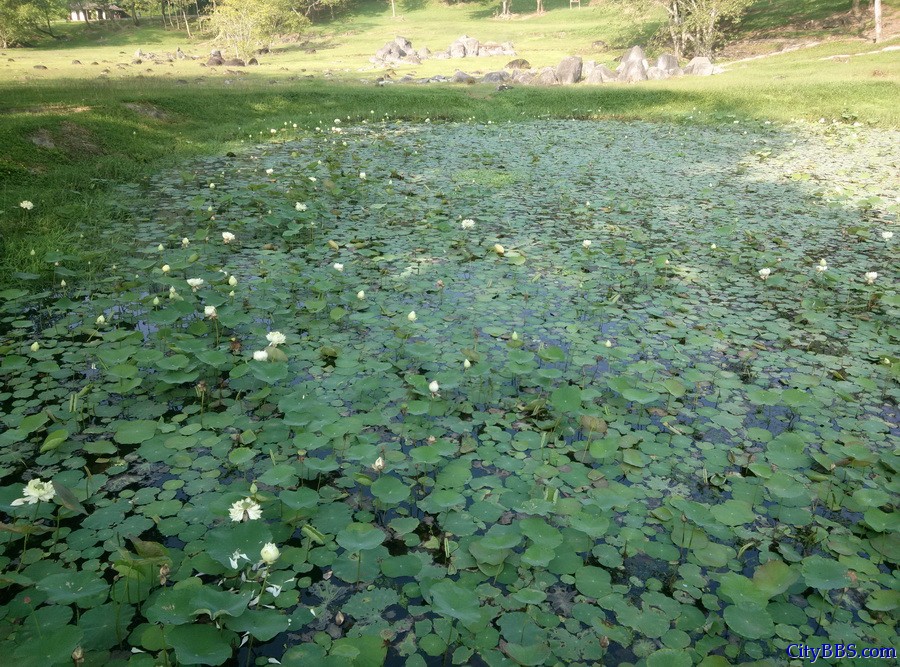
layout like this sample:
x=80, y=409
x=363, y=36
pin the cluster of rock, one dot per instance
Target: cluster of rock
x=217, y=59
x=400, y=51
x=633, y=67
x=140, y=56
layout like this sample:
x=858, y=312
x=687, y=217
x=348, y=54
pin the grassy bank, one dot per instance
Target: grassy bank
x=70, y=132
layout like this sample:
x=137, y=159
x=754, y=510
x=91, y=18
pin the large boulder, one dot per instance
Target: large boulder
x=699, y=66
x=600, y=74
x=495, y=49
x=235, y=62
x=587, y=67
x=522, y=77
x=462, y=77
x=214, y=61
x=424, y=53
x=657, y=74
x=632, y=72
x=440, y=55
x=471, y=45
x=633, y=55
x=457, y=50
x=403, y=44
x=496, y=77
x=546, y=77
x=667, y=62
x=569, y=70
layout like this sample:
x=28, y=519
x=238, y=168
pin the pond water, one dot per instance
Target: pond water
x=639, y=450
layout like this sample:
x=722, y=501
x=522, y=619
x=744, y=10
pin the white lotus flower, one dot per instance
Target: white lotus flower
x=232, y=281
x=871, y=277
x=822, y=266
x=412, y=316
x=32, y=252
x=467, y=364
x=63, y=283
x=586, y=244
x=361, y=295
x=713, y=246
x=515, y=336
x=608, y=343
x=160, y=247
x=499, y=249
x=887, y=236
x=235, y=558
x=378, y=466
x=166, y=268
x=27, y=205
x=276, y=338
x=210, y=312
x=468, y=223
x=195, y=283
x=101, y=320
x=35, y=346
x=270, y=171
x=765, y=273
x=338, y=266
x=434, y=387
x=313, y=179
x=299, y=206
x=212, y=186
x=269, y=553
x=185, y=242
x=35, y=491
x=362, y=175
x=227, y=237
x=260, y=355
x=245, y=510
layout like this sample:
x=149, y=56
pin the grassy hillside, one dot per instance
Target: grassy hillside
x=70, y=131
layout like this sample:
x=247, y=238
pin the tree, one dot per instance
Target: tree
x=877, y=21
x=695, y=26
x=245, y=25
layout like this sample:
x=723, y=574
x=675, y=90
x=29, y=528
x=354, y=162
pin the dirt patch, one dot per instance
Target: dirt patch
x=44, y=109
x=68, y=138
x=148, y=110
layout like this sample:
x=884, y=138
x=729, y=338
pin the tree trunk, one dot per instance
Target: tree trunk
x=877, y=21
x=394, y=8
x=540, y=6
x=187, y=26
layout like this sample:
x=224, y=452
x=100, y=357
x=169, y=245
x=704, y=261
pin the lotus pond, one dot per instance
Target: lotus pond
x=467, y=394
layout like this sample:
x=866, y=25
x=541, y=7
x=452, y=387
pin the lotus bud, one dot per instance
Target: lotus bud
x=35, y=346
x=378, y=466
x=361, y=295
x=434, y=387
x=499, y=249
x=586, y=244
x=156, y=301
x=412, y=316
x=232, y=281
x=166, y=268
x=160, y=247
x=101, y=320
x=467, y=364
x=269, y=553
x=62, y=283
x=608, y=343
x=871, y=277
x=765, y=273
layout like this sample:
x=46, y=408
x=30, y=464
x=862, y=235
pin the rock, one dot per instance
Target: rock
x=138, y=54
x=587, y=68
x=471, y=46
x=494, y=49
x=412, y=59
x=667, y=62
x=569, y=70
x=235, y=62
x=180, y=54
x=424, y=53
x=657, y=74
x=699, y=66
x=496, y=77
x=599, y=45
x=632, y=72
x=253, y=61
x=518, y=63
x=462, y=77
x=214, y=61
x=508, y=49
x=136, y=61
x=457, y=50
x=523, y=78
x=600, y=74
x=633, y=55
x=546, y=77
x=76, y=62
x=441, y=55
x=215, y=53
x=40, y=67
x=403, y=44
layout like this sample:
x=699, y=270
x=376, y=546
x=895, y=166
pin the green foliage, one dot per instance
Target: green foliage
x=245, y=25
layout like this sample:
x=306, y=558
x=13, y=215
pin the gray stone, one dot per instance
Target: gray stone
x=494, y=49
x=632, y=72
x=599, y=45
x=235, y=62
x=496, y=77
x=587, y=67
x=657, y=74
x=215, y=53
x=508, y=49
x=138, y=54
x=214, y=61
x=471, y=45
x=404, y=44
x=667, y=62
x=253, y=61
x=76, y=62
x=569, y=70
x=462, y=77
x=457, y=50
x=441, y=55
x=424, y=53
x=601, y=74
x=522, y=77
x=40, y=67
x=699, y=66
x=518, y=63
x=546, y=77
x=633, y=55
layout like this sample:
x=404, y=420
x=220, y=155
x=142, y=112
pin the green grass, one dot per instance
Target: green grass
x=771, y=15
x=101, y=143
